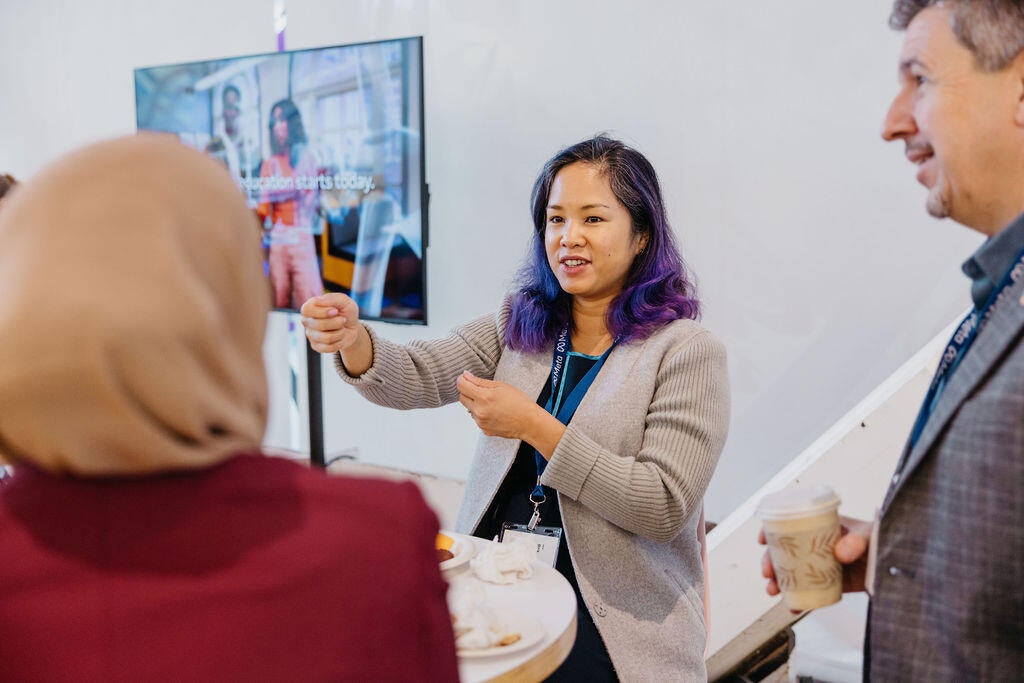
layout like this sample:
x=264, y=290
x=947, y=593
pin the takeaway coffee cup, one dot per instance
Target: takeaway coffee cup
x=801, y=526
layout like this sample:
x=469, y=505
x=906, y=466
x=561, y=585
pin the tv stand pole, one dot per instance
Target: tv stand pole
x=315, y=407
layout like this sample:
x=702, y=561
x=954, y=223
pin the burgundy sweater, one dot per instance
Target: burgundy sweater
x=258, y=569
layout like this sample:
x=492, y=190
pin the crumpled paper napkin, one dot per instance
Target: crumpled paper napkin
x=505, y=563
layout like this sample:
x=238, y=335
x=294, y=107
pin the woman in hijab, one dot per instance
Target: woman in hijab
x=144, y=535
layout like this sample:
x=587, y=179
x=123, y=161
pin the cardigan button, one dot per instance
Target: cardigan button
x=600, y=610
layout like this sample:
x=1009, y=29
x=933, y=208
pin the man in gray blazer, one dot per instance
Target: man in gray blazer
x=948, y=595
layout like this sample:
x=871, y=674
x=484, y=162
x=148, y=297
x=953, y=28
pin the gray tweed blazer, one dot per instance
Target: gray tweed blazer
x=949, y=591
x=630, y=471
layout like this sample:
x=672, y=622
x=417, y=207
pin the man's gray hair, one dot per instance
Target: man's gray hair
x=993, y=30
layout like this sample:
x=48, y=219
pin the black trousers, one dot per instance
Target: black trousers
x=588, y=661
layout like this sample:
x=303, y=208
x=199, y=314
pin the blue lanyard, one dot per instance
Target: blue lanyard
x=563, y=410
x=961, y=342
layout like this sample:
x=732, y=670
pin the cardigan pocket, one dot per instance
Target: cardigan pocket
x=689, y=592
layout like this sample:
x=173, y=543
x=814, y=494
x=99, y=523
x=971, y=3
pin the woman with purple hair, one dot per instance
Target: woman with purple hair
x=604, y=408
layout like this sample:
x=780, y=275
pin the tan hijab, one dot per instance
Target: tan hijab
x=132, y=313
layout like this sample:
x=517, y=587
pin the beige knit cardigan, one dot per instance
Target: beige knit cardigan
x=631, y=471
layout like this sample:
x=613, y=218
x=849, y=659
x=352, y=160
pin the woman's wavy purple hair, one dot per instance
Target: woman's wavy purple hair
x=657, y=289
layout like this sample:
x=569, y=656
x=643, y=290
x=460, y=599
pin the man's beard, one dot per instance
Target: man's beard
x=937, y=203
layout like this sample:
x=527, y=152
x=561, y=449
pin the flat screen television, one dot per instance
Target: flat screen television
x=327, y=146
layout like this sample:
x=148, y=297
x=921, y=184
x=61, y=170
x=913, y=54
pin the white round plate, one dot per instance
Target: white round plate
x=528, y=627
x=462, y=549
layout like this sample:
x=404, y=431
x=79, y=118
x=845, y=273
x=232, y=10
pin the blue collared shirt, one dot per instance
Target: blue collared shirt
x=986, y=268
x=993, y=260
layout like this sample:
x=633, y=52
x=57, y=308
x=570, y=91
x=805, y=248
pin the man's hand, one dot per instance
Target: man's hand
x=851, y=550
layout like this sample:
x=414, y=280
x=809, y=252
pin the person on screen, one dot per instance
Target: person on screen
x=145, y=536
x=230, y=99
x=239, y=148
x=604, y=302
x=217, y=150
x=289, y=208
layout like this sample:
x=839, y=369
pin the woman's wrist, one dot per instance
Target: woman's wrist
x=545, y=431
x=358, y=357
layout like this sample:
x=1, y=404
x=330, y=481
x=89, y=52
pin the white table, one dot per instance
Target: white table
x=545, y=595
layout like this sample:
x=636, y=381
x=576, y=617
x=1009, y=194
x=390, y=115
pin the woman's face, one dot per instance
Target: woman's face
x=588, y=235
x=280, y=127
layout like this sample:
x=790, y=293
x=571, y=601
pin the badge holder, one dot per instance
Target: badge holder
x=546, y=539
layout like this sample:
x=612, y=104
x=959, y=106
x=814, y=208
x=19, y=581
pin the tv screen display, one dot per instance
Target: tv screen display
x=327, y=146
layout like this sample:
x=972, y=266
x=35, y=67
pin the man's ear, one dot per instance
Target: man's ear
x=1017, y=65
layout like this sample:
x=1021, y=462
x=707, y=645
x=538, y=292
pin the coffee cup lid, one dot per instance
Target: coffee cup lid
x=801, y=501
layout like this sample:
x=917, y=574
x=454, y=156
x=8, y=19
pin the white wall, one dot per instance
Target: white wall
x=856, y=457
x=817, y=265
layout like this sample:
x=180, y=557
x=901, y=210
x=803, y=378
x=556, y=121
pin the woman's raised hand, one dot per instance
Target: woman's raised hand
x=500, y=409
x=331, y=322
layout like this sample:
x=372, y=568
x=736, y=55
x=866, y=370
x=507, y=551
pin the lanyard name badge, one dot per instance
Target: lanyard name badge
x=546, y=538
x=961, y=342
